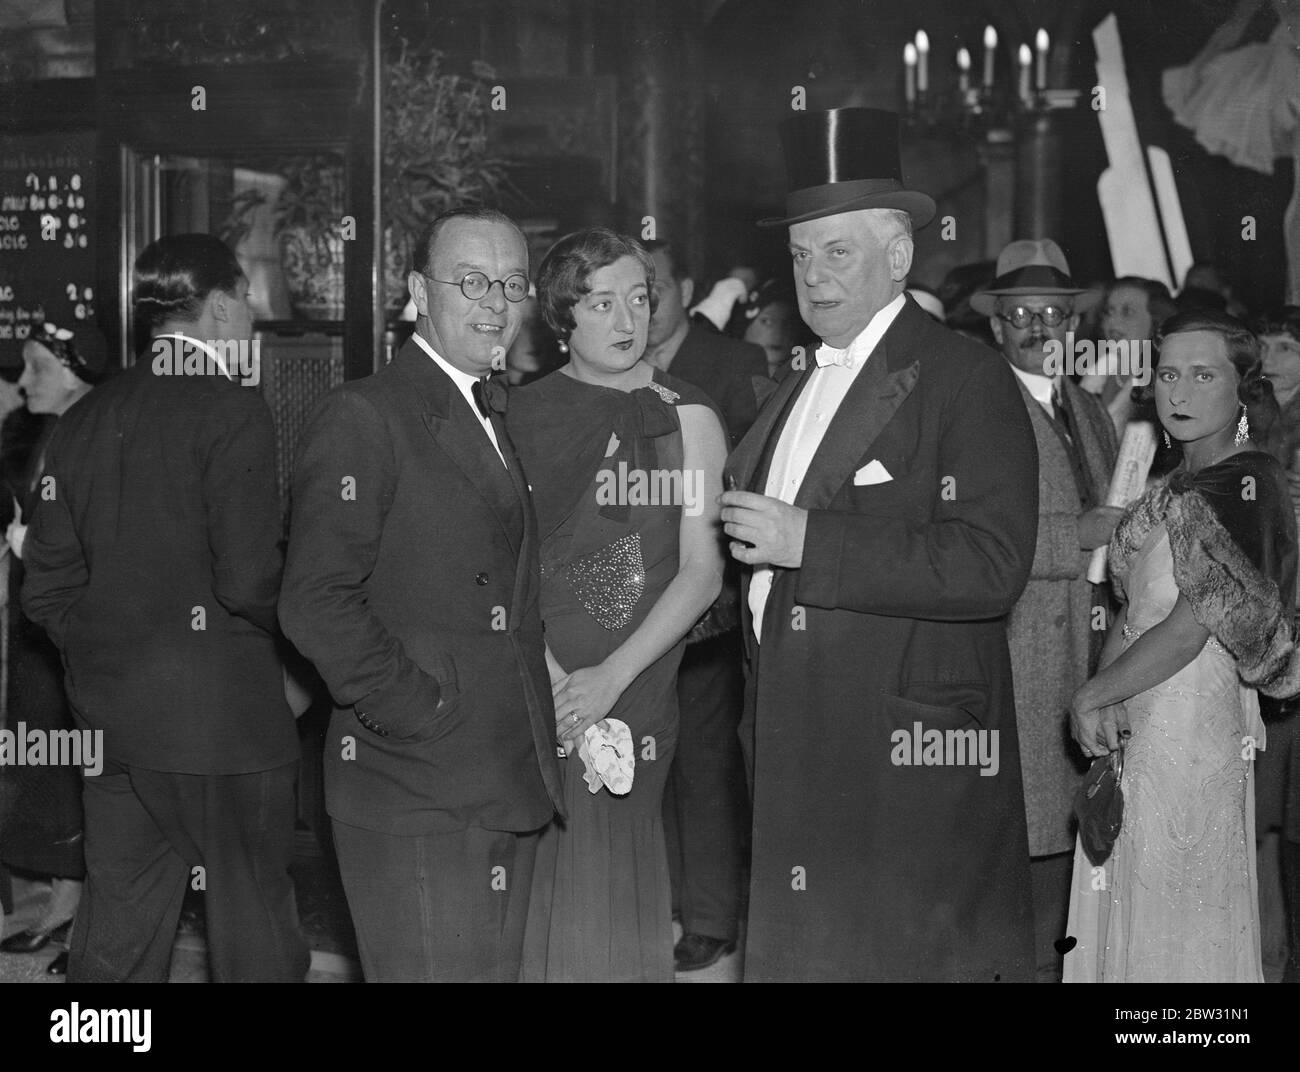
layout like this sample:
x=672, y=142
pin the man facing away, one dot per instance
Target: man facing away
x=1033, y=307
x=889, y=519
x=412, y=583
x=154, y=564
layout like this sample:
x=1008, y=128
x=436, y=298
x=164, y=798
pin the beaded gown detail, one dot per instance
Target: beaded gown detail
x=1176, y=901
x=600, y=909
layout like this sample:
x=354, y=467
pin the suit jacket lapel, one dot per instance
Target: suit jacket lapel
x=1050, y=445
x=460, y=436
x=870, y=404
x=527, y=548
x=1089, y=440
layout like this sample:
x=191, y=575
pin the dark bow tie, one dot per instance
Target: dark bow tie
x=489, y=395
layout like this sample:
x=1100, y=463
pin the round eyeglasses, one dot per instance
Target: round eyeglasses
x=475, y=285
x=1052, y=316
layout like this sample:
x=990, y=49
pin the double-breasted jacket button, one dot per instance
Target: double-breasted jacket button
x=480, y=579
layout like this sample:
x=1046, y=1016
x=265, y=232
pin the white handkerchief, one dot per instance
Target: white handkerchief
x=612, y=445
x=606, y=752
x=872, y=473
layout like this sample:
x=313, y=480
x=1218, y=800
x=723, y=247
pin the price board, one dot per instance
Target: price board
x=47, y=247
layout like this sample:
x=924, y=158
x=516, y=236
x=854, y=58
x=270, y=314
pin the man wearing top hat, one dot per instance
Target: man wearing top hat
x=888, y=510
x=1032, y=306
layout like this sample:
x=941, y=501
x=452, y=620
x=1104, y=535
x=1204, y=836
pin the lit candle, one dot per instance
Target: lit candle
x=963, y=70
x=909, y=72
x=923, y=61
x=990, y=47
x=1026, y=62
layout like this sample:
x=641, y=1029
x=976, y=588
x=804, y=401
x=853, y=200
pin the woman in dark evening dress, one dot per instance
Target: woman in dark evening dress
x=1206, y=565
x=625, y=466
x=40, y=806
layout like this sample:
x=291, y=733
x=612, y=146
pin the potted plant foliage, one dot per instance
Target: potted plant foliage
x=307, y=219
x=435, y=152
x=435, y=155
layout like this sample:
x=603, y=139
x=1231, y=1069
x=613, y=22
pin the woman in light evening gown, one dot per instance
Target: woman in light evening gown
x=1205, y=564
x=623, y=581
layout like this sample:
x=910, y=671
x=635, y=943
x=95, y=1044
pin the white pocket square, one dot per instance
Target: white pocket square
x=872, y=473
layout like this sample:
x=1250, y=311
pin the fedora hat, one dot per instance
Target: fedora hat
x=843, y=160
x=1032, y=266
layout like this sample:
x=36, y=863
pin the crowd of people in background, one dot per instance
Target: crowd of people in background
x=498, y=670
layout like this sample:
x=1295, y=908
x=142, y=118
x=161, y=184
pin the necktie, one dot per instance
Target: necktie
x=1060, y=415
x=828, y=355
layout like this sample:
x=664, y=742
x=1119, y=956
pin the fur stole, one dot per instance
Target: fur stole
x=1230, y=597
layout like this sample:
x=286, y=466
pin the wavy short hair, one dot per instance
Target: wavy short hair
x=563, y=277
x=175, y=273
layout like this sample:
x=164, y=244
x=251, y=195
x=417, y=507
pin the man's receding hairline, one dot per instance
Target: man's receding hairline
x=504, y=221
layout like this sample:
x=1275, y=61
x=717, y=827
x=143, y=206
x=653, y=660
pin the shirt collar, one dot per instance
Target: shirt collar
x=201, y=345
x=1040, y=387
x=864, y=343
x=463, y=380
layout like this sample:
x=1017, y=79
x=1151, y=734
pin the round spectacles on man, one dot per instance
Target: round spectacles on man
x=475, y=285
x=1018, y=316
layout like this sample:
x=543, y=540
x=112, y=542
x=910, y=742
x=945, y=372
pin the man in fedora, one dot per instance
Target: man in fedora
x=1033, y=306
x=888, y=512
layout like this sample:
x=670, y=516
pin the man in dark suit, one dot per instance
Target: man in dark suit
x=154, y=563
x=732, y=373
x=705, y=806
x=890, y=523
x=412, y=583
x=1033, y=307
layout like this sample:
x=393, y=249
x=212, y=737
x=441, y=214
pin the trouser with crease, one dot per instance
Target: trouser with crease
x=706, y=805
x=150, y=836
x=439, y=907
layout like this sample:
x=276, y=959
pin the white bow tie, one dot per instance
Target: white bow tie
x=828, y=355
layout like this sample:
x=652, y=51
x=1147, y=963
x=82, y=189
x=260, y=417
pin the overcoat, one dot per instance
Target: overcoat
x=1050, y=631
x=867, y=865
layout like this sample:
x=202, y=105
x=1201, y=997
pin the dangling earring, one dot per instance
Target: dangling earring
x=1167, y=443
x=1243, y=429
x=564, y=347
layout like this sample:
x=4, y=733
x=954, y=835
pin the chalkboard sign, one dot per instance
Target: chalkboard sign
x=47, y=246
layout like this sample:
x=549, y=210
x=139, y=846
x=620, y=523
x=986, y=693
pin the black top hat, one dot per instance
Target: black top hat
x=843, y=160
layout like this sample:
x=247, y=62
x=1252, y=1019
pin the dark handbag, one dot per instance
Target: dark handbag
x=1099, y=806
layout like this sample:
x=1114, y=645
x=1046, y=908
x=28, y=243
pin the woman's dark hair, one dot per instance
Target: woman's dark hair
x=177, y=272
x=1254, y=391
x=568, y=265
x=1285, y=321
x=1160, y=305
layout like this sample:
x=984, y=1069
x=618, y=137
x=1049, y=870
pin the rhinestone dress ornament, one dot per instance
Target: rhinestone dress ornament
x=609, y=582
x=663, y=392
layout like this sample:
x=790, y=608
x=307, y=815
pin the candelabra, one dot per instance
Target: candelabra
x=990, y=107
